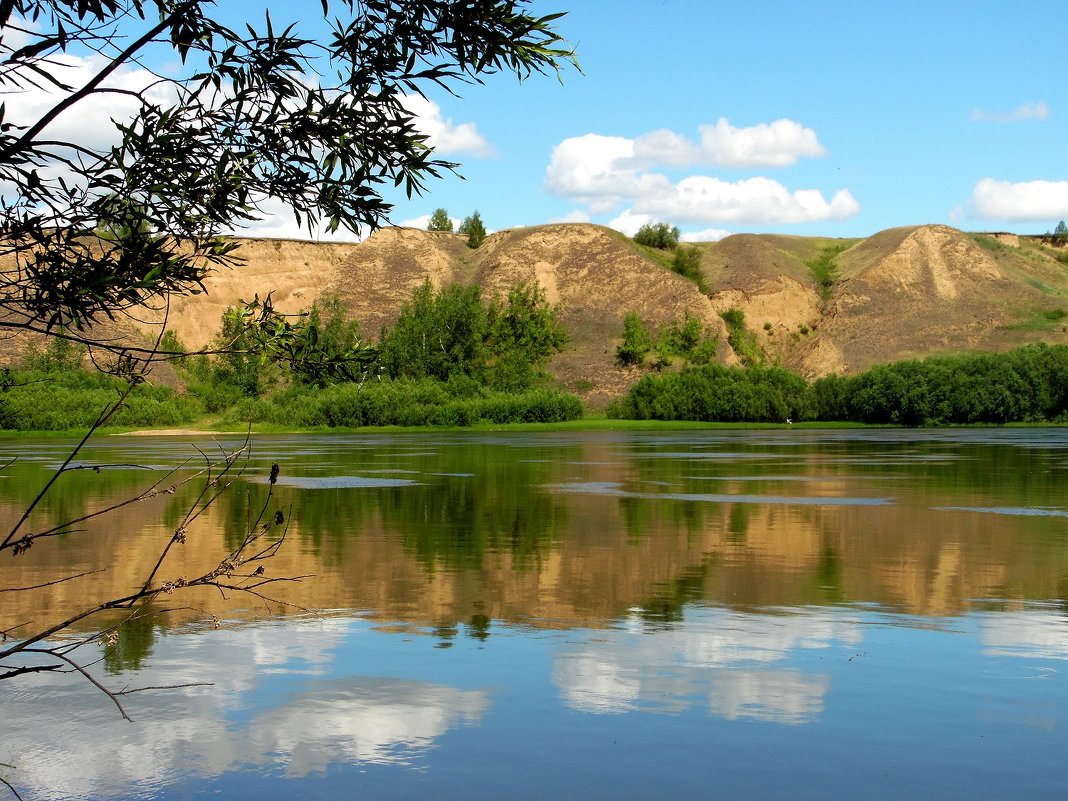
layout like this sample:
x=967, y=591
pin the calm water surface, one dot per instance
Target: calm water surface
x=699, y=614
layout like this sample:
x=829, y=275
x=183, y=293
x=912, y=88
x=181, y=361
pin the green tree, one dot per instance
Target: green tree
x=453, y=333
x=524, y=333
x=661, y=236
x=438, y=335
x=637, y=342
x=1060, y=234
x=474, y=230
x=439, y=221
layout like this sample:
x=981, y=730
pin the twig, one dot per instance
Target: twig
x=52, y=583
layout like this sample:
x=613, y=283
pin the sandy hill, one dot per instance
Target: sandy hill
x=900, y=293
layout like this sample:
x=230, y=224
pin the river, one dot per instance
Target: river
x=780, y=614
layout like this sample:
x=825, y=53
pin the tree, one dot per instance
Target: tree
x=94, y=229
x=658, y=235
x=474, y=230
x=318, y=123
x=439, y=221
x=1060, y=234
x=637, y=342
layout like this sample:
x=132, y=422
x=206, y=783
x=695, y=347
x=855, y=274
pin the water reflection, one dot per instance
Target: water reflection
x=717, y=655
x=270, y=705
x=1036, y=632
x=574, y=529
x=618, y=606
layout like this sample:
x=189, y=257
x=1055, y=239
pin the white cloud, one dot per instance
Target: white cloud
x=705, y=235
x=1027, y=201
x=604, y=172
x=576, y=216
x=778, y=144
x=629, y=222
x=422, y=221
x=277, y=222
x=444, y=135
x=704, y=199
x=592, y=169
x=1027, y=111
x=89, y=122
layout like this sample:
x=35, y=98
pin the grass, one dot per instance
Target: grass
x=1045, y=289
x=1039, y=320
x=741, y=339
x=990, y=244
x=824, y=270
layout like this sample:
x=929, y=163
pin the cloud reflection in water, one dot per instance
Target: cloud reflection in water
x=719, y=654
x=52, y=729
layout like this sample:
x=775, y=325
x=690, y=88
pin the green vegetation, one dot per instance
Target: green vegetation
x=50, y=390
x=992, y=245
x=406, y=402
x=741, y=339
x=717, y=393
x=453, y=333
x=687, y=263
x=1059, y=236
x=688, y=341
x=824, y=269
x=1029, y=384
x=439, y=221
x=637, y=342
x=661, y=236
x=451, y=359
x=1039, y=320
x=474, y=230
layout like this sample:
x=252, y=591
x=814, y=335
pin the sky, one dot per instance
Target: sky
x=826, y=118
x=821, y=118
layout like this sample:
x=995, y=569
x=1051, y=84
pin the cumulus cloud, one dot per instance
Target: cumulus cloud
x=1026, y=201
x=605, y=172
x=422, y=221
x=629, y=222
x=1027, y=111
x=277, y=221
x=91, y=122
x=705, y=199
x=576, y=216
x=778, y=144
x=593, y=169
x=443, y=134
x=705, y=235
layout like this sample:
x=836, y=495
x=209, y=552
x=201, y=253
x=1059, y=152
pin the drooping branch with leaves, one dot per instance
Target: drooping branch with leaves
x=256, y=114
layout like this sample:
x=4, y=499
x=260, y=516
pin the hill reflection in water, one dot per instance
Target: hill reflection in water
x=493, y=613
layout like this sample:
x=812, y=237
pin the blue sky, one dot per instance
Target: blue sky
x=823, y=118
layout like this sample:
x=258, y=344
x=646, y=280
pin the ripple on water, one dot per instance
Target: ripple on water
x=342, y=482
x=1025, y=511
x=612, y=489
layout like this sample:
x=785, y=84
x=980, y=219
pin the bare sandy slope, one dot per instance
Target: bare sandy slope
x=900, y=293
x=909, y=292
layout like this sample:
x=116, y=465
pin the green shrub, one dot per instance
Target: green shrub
x=474, y=230
x=713, y=393
x=661, y=236
x=439, y=221
x=824, y=268
x=741, y=339
x=406, y=402
x=637, y=342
